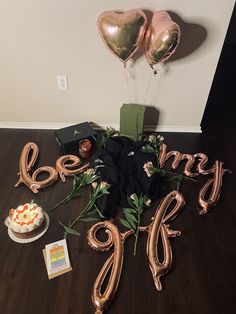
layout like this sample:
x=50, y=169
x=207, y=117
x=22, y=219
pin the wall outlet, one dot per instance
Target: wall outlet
x=62, y=82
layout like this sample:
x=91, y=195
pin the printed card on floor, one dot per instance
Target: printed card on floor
x=57, y=258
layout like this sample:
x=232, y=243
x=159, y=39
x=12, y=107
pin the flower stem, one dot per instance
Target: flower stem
x=135, y=243
x=72, y=194
x=85, y=210
x=180, y=175
x=65, y=200
x=173, y=173
x=136, y=236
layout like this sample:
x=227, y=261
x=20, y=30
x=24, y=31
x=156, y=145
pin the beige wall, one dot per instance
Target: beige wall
x=41, y=39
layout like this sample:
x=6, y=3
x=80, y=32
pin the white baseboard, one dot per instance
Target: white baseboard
x=33, y=125
x=159, y=128
x=55, y=126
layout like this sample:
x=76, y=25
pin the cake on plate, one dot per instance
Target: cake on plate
x=27, y=221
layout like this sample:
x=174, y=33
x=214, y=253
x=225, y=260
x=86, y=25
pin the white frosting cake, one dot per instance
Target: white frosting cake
x=26, y=218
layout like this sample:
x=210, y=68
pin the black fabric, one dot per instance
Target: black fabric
x=121, y=165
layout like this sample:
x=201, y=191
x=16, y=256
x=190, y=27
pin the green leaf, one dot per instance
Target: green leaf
x=140, y=200
x=131, y=217
x=92, y=179
x=136, y=201
x=89, y=207
x=74, y=194
x=98, y=195
x=74, y=183
x=89, y=218
x=66, y=200
x=93, y=211
x=76, y=179
x=140, y=210
x=175, y=179
x=98, y=211
x=125, y=223
x=129, y=210
x=70, y=230
x=178, y=185
x=149, y=146
x=105, y=192
x=130, y=201
x=131, y=222
x=160, y=171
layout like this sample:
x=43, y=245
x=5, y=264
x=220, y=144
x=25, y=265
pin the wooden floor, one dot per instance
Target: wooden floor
x=202, y=279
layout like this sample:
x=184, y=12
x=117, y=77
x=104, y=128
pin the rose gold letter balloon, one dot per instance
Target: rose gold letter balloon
x=26, y=163
x=67, y=169
x=160, y=228
x=161, y=39
x=178, y=157
x=203, y=159
x=102, y=300
x=215, y=183
x=122, y=33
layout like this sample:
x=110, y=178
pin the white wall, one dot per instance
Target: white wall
x=41, y=39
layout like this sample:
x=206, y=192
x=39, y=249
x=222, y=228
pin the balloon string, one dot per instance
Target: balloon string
x=160, y=84
x=127, y=79
x=147, y=89
x=135, y=85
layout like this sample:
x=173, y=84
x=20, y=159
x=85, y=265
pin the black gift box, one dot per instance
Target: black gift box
x=69, y=138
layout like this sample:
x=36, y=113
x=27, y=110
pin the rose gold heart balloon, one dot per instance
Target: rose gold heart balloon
x=122, y=33
x=161, y=39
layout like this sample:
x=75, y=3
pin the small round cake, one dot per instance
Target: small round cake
x=27, y=221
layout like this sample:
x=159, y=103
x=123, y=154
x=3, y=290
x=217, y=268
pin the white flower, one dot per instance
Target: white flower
x=151, y=138
x=110, y=130
x=94, y=184
x=103, y=185
x=148, y=202
x=160, y=138
x=148, y=168
x=132, y=196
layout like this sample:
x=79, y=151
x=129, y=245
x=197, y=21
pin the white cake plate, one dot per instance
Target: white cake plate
x=19, y=240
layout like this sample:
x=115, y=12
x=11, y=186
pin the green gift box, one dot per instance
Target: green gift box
x=131, y=121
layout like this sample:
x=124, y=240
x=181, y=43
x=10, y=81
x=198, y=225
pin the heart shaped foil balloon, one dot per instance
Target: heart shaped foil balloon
x=161, y=39
x=122, y=33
